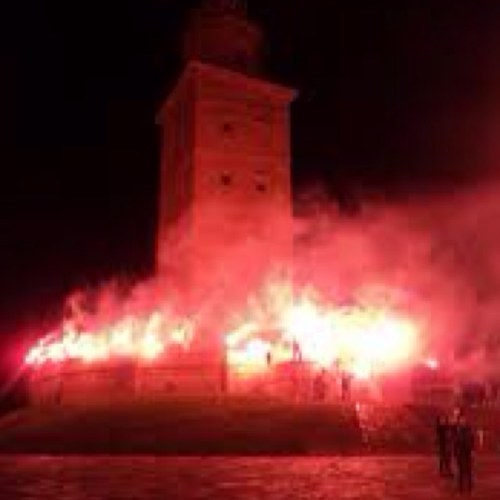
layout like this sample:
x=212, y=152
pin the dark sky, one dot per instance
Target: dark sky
x=394, y=97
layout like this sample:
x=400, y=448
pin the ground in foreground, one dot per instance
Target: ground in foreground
x=285, y=478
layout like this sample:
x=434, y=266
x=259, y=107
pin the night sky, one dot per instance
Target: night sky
x=395, y=97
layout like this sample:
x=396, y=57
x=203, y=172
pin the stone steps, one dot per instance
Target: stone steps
x=397, y=428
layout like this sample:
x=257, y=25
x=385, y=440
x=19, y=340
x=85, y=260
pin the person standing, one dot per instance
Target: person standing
x=452, y=426
x=464, y=447
x=296, y=351
x=319, y=386
x=444, y=446
x=345, y=386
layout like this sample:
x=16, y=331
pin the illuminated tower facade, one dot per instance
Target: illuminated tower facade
x=225, y=199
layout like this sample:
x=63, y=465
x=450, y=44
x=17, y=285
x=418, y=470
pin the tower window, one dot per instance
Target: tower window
x=226, y=180
x=227, y=128
x=241, y=59
x=262, y=180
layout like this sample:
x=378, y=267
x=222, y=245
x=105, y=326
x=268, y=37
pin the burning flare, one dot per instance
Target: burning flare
x=363, y=340
x=277, y=325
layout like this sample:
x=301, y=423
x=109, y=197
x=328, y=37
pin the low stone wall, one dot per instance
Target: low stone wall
x=291, y=381
x=81, y=383
x=197, y=373
x=185, y=374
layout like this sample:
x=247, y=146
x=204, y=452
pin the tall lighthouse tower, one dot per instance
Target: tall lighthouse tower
x=225, y=210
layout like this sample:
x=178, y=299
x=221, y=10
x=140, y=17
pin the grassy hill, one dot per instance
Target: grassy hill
x=183, y=426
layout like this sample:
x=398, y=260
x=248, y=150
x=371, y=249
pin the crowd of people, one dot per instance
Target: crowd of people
x=455, y=445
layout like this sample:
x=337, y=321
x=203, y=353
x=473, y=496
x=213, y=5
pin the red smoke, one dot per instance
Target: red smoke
x=393, y=285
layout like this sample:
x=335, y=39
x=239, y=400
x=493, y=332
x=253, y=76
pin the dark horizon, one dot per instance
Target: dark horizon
x=394, y=98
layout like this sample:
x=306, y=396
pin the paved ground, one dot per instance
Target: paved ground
x=150, y=478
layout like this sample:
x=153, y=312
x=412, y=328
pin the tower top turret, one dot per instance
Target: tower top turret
x=220, y=33
x=231, y=6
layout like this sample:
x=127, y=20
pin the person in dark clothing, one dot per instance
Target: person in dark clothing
x=269, y=358
x=345, y=386
x=444, y=446
x=296, y=351
x=464, y=447
x=453, y=425
x=319, y=386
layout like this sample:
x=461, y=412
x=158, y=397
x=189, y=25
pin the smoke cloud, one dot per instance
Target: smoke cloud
x=435, y=258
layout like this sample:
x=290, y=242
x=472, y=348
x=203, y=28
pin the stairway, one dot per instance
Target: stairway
x=397, y=428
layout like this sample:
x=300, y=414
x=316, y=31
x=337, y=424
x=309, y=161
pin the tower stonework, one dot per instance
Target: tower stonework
x=225, y=198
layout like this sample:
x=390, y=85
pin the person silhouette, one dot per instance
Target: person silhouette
x=464, y=447
x=444, y=445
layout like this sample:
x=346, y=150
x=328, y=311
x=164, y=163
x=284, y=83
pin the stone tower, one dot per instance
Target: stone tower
x=225, y=212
